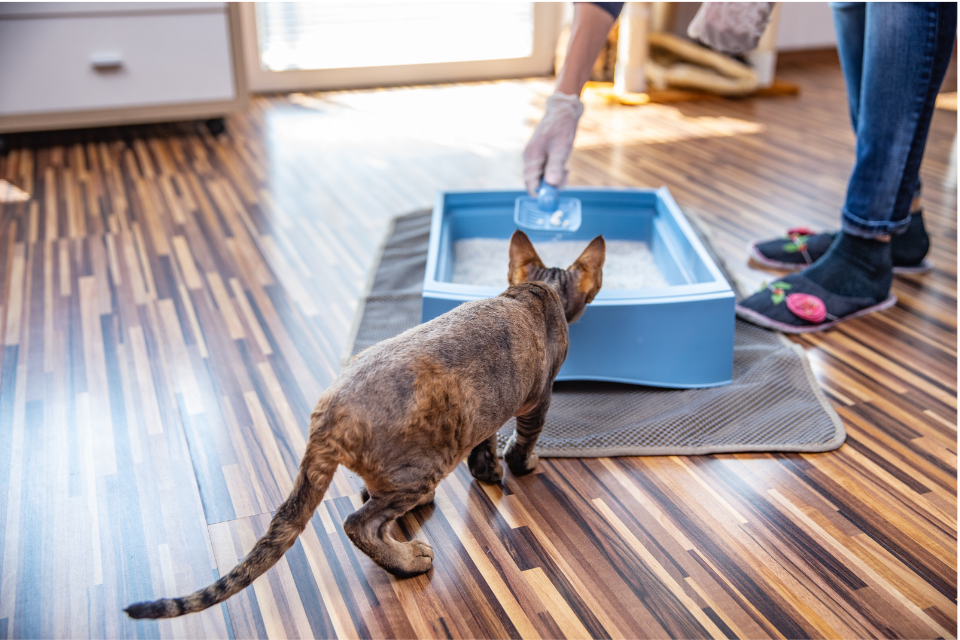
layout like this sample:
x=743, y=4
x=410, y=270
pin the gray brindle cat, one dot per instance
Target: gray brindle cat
x=406, y=411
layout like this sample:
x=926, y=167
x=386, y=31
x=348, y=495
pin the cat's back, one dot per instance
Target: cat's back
x=516, y=336
x=520, y=318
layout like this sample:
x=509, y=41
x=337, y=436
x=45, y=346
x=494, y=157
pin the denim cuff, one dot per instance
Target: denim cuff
x=872, y=228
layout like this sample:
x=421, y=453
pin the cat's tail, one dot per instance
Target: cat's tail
x=290, y=520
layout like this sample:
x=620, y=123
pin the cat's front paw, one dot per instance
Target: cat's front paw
x=484, y=465
x=520, y=462
x=492, y=474
x=523, y=466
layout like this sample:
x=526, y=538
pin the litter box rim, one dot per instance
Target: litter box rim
x=659, y=199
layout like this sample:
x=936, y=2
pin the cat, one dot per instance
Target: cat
x=405, y=412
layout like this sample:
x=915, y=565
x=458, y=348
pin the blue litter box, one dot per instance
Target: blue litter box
x=678, y=336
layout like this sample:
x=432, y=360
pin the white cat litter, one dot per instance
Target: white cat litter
x=483, y=262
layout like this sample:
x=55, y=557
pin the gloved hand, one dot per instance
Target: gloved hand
x=730, y=27
x=552, y=141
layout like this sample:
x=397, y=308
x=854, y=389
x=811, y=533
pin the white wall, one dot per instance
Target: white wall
x=805, y=25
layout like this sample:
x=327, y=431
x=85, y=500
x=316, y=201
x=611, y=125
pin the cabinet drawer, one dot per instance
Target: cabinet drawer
x=47, y=64
x=47, y=9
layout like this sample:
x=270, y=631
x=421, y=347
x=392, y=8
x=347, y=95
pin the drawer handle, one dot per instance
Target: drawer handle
x=106, y=61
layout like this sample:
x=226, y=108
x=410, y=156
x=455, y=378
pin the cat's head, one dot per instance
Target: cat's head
x=577, y=285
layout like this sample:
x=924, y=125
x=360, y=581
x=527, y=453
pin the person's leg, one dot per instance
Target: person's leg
x=849, y=21
x=907, y=48
x=908, y=248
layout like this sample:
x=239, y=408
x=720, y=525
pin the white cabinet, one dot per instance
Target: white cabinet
x=66, y=65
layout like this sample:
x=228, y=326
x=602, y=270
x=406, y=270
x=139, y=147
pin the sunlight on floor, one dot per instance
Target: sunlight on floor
x=471, y=136
x=12, y=193
x=386, y=151
x=485, y=118
x=655, y=124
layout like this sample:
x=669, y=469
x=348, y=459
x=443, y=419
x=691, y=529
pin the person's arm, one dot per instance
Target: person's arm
x=545, y=157
x=588, y=35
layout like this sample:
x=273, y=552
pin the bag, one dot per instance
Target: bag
x=731, y=27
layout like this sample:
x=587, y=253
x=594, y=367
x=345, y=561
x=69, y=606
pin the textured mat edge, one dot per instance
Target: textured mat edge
x=347, y=354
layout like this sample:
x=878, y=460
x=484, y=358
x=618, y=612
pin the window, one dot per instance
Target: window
x=303, y=45
x=375, y=34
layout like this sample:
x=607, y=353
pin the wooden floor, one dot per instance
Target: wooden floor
x=171, y=305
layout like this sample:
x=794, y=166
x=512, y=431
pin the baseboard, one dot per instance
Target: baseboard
x=804, y=57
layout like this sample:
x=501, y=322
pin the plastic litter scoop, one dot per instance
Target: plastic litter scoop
x=548, y=211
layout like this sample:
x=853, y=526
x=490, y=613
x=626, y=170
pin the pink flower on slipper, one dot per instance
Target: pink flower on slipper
x=800, y=231
x=807, y=307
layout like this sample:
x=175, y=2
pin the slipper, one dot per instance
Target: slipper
x=796, y=304
x=801, y=247
x=924, y=266
x=796, y=250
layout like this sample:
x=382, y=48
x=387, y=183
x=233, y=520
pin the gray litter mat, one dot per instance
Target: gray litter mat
x=773, y=404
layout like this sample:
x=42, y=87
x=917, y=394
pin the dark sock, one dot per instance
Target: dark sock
x=910, y=247
x=854, y=267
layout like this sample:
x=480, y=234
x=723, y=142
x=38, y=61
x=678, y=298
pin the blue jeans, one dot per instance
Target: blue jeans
x=894, y=57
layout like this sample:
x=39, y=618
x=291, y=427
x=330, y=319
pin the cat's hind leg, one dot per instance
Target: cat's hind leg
x=518, y=453
x=483, y=462
x=369, y=528
x=427, y=498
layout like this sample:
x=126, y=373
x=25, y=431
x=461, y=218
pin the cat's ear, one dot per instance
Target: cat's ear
x=590, y=266
x=523, y=257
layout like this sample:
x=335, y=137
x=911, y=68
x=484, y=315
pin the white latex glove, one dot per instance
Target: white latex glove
x=730, y=27
x=552, y=141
